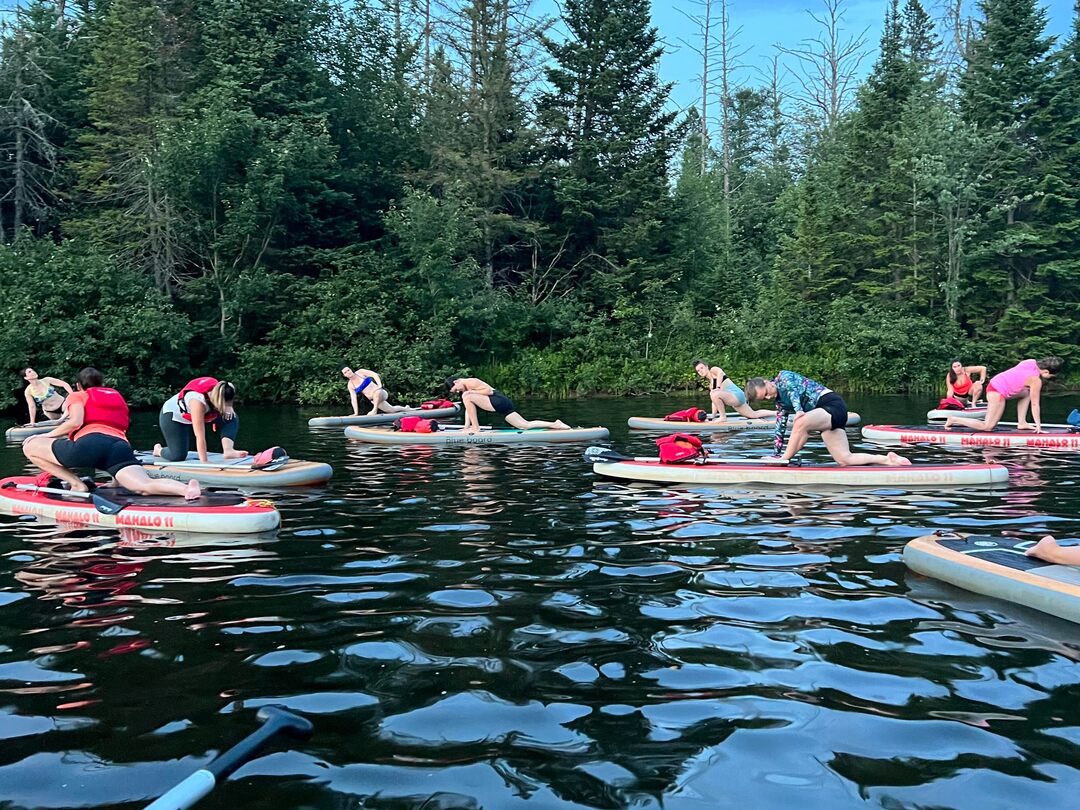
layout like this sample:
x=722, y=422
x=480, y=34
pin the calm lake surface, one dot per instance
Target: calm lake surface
x=495, y=627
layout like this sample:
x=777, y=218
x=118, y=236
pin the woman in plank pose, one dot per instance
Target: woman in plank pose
x=203, y=402
x=1024, y=382
x=960, y=385
x=95, y=436
x=41, y=392
x=724, y=393
x=369, y=383
x=476, y=393
x=816, y=408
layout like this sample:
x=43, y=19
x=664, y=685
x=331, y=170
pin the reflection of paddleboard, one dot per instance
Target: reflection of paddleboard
x=1057, y=437
x=456, y=435
x=20, y=432
x=383, y=418
x=996, y=566
x=731, y=424
x=220, y=471
x=941, y=414
x=739, y=472
x=215, y=512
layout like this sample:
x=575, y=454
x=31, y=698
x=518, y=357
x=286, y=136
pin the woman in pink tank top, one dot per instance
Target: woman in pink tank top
x=1024, y=380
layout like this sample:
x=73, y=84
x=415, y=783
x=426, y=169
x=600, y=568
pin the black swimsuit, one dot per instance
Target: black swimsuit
x=501, y=403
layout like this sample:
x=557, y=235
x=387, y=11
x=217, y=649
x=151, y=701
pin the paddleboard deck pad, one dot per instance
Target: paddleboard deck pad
x=217, y=513
x=456, y=435
x=997, y=567
x=1055, y=437
x=941, y=414
x=727, y=472
x=729, y=425
x=20, y=432
x=223, y=472
x=383, y=418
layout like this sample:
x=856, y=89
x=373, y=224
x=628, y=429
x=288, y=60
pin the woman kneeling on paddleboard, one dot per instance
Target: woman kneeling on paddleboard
x=41, y=392
x=724, y=393
x=476, y=393
x=960, y=385
x=97, y=423
x=1024, y=380
x=203, y=401
x=367, y=382
x=816, y=408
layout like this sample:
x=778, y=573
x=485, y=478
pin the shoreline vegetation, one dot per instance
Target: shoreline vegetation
x=268, y=190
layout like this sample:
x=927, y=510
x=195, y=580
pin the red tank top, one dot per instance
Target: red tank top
x=962, y=384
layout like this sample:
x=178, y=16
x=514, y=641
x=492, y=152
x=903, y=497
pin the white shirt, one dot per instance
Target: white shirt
x=172, y=406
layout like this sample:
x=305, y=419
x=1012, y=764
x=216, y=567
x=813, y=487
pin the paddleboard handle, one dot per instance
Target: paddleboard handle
x=275, y=720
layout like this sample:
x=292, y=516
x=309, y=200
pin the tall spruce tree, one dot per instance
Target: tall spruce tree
x=610, y=138
x=1004, y=87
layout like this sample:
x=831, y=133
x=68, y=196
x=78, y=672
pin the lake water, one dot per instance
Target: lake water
x=494, y=627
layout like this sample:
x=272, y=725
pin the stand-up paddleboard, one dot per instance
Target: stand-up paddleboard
x=997, y=566
x=941, y=414
x=1055, y=437
x=223, y=513
x=731, y=424
x=20, y=432
x=383, y=418
x=751, y=471
x=455, y=434
x=222, y=472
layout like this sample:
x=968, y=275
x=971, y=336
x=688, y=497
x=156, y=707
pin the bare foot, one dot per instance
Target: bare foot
x=896, y=460
x=471, y=430
x=1045, y=549
x=1023, y=426
x=79, y=487
x=560, y=425
x=156, y=451
x=194, y=491
x=235, y=453
x=949, y=422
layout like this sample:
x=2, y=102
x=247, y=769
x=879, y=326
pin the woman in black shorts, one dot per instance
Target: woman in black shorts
x=94, y=437
x=476, y=393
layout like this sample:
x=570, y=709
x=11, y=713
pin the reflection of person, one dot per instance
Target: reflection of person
x=959, y=384
x=203, y=401
x=41, y=392
x=1023, y=382
x=818, y=409
x=1048, y=549
x=724, y=392
x=369, y=383
x=97, y=422
x=476, y=393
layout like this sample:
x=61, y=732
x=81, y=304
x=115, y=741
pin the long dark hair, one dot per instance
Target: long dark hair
x=952, y=374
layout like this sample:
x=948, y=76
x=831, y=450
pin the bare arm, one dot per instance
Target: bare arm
x=55, y=382
x=948, y=386
x=198, y=425
x=1035, y=388
x=31, y=406
x=980, y=370
x=352, y=398
x=76, y=414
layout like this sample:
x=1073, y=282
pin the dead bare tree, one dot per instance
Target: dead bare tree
x=828, y=65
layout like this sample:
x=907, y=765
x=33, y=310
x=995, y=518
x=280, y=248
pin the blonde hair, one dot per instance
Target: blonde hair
x=221, y=396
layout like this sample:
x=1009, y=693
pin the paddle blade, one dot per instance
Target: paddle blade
x=104, y=505
x=600, y=454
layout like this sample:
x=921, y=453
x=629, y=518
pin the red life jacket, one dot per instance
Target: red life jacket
x=414, y=424
x=200, y=385
x=950, y=404
x=688, y=415
x=680, y=448
x=104, y=406
x=432, y=404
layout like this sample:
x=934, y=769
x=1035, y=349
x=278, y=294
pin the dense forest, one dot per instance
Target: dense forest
x=267, y=189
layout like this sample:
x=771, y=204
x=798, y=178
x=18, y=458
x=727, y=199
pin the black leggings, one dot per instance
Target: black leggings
x=180, y=435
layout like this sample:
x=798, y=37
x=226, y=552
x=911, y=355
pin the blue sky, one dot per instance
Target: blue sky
x=766, y=23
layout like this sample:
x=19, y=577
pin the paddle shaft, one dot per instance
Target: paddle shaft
x=101, y=503
x=200, y=783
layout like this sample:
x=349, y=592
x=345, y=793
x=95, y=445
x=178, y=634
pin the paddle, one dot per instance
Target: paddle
x=101, y=503
x=605, y=455
x=275, y=720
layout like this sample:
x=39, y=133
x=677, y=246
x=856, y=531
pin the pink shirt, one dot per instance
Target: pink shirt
x=1013, y=381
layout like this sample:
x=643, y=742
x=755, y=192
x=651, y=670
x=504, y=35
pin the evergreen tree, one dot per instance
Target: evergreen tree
x=610, y=140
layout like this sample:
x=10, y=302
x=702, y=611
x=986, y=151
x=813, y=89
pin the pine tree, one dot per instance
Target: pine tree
x=610, y=139
x=1003, y=88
